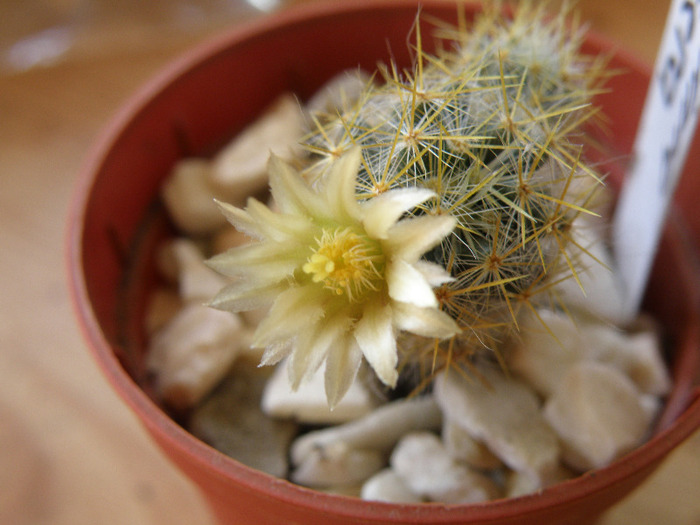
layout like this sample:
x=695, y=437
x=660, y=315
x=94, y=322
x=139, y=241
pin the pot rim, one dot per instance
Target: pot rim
x=167, y=430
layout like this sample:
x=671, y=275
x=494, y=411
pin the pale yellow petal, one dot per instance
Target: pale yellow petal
x=280, y=227
x=291, y=192
x=375, y=336
x=427, y=322
x=411, y=238
x=240, y=219
x=313, y=345
x=406, y=284
x=342, y=364
x=246, y=295
x=433, y=273
x=294, y=309
x=274, y=353
x=340, y=186
x=259, y=261
x=381, y=213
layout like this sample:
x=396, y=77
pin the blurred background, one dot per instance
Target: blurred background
x=70, y=451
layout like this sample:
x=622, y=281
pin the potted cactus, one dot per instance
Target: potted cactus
x=436, y=216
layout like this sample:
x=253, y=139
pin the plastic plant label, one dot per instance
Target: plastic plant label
x=665, y=132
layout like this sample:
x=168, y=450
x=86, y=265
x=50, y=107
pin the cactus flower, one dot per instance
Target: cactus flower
x=343, y=277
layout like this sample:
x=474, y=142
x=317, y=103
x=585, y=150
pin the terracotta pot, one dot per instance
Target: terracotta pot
x=201, y=101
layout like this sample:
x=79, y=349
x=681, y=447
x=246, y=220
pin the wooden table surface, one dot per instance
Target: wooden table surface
x=70, y=452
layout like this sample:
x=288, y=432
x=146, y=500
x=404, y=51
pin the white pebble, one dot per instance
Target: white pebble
x=240, y=168
x=386, y=485
x=638, y=356
x=230, y=420
x=337, y=465
x=598, y=414
x=379, y=430
x=463, y=447
x=598, y=292
x=192, y=353
x=551, y=343
x=427, y=469
x=189, y=198
x=518, y=484
x=651, y=404
x=505, y=415
x=309, y=404
x=196, y=281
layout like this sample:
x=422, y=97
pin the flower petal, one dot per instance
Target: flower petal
x=291, y=192
x=273, y=354
x=313, y=345
x=342, y=365
x=279, y=227
x=240, y=219
x=406, y=284
x=340, y=186
x=259, y=261
x=375, y=336
x=411, y=238
x=294, y=308
x=427, y=322
x=244, y=295
x=433, y=273
x=382, y=212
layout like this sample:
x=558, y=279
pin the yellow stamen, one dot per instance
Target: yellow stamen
x=346, y=263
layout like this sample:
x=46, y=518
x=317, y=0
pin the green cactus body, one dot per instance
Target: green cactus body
x=491, y=124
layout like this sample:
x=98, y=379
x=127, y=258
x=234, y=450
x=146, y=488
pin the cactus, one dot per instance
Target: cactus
x=493, y=126
x=490, y=127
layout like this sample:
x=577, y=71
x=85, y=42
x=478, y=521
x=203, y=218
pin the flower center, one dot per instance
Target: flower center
x=346, y=263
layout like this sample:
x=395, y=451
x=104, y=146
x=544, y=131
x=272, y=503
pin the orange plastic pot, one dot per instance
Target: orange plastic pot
x=200, y=102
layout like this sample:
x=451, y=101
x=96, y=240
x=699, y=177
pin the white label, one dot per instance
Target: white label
x=665, y=132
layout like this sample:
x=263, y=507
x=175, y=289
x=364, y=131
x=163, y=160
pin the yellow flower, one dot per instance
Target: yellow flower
x=343, y=277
